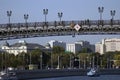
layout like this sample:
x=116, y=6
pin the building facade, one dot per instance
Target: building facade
x=57, y=43
x=86, y=44
x=78, y=46
x=74, y=48
x=108, y=45
x=20, y=47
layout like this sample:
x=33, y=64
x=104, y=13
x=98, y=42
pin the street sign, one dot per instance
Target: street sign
x=77, y=27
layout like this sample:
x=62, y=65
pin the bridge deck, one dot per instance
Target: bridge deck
x=57, y=28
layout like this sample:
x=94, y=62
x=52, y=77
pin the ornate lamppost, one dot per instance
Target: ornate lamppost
x=26, y=18
x=45, y=12
x=60, y=14
x=112, y=13
x=9, y=13
x=100, y=10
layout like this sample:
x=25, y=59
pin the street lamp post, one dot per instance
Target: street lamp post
x=84, y=63
x=51, y=61
x=101, y=63
x=5, y=60
x=26, y=17
x=58, y=62
x=110, y=62
x=100, y=10
x=60, y=14
x=90, y=62
x=9, y=13
x=87, y=62
x=24, y=61
x=2, y=61
x=41, y=61
x=45, y=12
x=79, y=62
x=107, y=63
x=97, y=64
x=70, y=61
x=112, y=13
x=93, y=65
x=30, y=58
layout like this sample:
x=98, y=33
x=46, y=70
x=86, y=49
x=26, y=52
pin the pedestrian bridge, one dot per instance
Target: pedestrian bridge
x=59, y=28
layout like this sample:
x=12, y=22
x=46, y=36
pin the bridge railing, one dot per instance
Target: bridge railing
x=64, y=23
x=58, y=24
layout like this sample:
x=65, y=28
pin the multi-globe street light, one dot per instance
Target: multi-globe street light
x=100, y=10
x=26, y=17
x=45, y=12
x=60, y=14
x=112, y=13
x=9, y=13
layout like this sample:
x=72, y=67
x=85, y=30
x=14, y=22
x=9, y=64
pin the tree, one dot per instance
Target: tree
x=83, y=58
x=38, y=55
x=117, y=60
x=106, y=59
x=64, y=60
x=58, y=49
x=23, y=58
x=35, y=56
x=85, y=50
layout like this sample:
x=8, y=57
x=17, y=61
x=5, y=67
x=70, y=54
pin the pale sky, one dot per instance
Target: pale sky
x=72, y=10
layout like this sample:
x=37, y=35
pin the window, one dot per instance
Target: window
x=113, y=46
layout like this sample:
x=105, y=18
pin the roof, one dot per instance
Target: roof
x=29, y=45
x=18, y=45
x=34, y=46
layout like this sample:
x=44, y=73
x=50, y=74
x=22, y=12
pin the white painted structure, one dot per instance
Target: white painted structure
x=78, y=46
x=57, y=43
x=20, y=47
x=74, y=48
x=108, y=45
